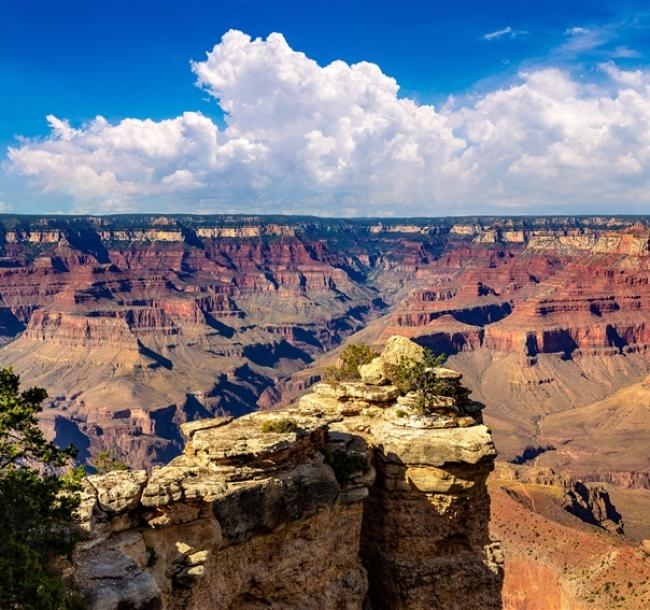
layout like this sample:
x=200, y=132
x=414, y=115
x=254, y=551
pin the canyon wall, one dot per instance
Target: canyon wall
x=136, y=329
x=136, y=324
x=351, y=500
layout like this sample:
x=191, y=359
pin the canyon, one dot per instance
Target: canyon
x=139, y=326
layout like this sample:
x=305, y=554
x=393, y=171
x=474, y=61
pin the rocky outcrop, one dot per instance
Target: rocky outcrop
x=592, y=504
x=553, y=561
x=589, y=502
x=246, y=232
x=350, y=499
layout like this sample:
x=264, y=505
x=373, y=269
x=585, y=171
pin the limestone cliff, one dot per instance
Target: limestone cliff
x=351, y=500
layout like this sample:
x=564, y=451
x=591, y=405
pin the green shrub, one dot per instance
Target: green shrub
x=280, y=426
x=419, y=376
x=351, y=358
x=400, y=413
x=107, y=460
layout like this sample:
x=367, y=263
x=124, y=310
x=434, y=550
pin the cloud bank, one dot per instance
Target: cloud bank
x=340, y=140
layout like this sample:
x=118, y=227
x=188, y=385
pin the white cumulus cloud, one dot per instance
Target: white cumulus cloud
x=300, y=137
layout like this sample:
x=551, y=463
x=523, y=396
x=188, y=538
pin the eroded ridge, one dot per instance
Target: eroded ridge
x=352, y=500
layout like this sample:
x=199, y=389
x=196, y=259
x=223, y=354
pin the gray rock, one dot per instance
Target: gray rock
x=261, y=506
x=114, y=581
x=119, y=490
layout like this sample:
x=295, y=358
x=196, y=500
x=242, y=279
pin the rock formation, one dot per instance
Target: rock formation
x=351, y=500
x=589, y=502
x=593, y=505
x=138, y=324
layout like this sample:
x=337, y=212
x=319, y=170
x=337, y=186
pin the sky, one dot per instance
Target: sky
x=354, y=108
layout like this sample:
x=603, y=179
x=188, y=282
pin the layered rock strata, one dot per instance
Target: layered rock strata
x=351, y=500
x=136, y=324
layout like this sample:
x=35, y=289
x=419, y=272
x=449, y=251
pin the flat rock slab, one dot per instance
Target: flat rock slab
x=434, y=447
x=244, y=439
x=399, y=417
x=445, y=373
x=358, y=389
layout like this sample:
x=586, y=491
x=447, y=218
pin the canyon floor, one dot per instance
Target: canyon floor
x=138, y=324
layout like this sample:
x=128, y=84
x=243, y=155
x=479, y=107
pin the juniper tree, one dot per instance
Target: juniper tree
x=36, y=503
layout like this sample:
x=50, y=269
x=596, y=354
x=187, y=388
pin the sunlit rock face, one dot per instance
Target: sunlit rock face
x=349, y=499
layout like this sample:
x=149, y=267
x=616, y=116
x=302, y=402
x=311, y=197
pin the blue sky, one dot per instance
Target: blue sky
x=131, y=61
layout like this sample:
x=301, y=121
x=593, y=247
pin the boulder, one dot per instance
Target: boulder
x=400, y=347
x=114, y=581
x=373, y=372
x=119, y=490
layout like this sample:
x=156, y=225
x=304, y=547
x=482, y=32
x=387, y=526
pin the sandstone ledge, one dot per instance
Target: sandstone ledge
x=333, y=504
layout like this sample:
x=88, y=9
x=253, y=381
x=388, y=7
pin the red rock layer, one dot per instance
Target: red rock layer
x=518, y=299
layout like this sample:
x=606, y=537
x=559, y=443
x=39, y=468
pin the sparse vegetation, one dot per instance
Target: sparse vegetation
x=400, y=413
x=36, y=504
x=347, y=366
x=280, y=426
x=107, y=460
x=419, y=376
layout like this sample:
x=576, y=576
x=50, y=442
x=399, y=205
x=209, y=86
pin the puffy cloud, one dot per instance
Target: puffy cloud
x=548, y=139
x=630, y=78
x=339, y=139
x=131, y=159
